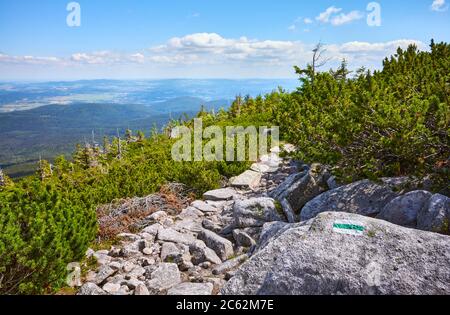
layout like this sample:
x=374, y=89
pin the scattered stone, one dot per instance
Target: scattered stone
x=210, y=225
x=111, y=288
x=141, y=290
x=169, y=251
x=261, y=168
x=132, y=283
x=191, y=289
x=170, y=235
x=152, y=229
x=229, y=265
x=128, y=266
x=90, y=288
x=190, y=213
x=363, y=197
x=255, y=212
x=435, y=215
x=403, y=210
x=220, y=194
x=136, y=272
x=159, y=216
x=342, y=253
x=203, y=206
x=104, y=273
x=222, y=246
x=205, y=265
x=332, y=183
x=243, y=239
x=89, y=253
x=90, y=277
x=201, y=253
x=127, y=237
x=248, y=179
x=147, y=251
x=163, y=278
x=303, y=189
x=115, y=265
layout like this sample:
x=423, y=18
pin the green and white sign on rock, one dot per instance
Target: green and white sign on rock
x=348, y=227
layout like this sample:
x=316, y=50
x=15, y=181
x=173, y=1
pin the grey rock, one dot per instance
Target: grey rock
x=220, y=194
x=325, y=258
x=169, y=251
x=188, y=225
x=303, y=190
x=131, y=283
x=128, y=237
x=111, y=288
x=269, y=230
x=203, y=206
x=136, y=272
x=190, y=213
x=104, y=273
x=435, y=215
x=222, y=246
x=152, y=229
x=403, y=210
x=210, y=225
x=90, y=253
x=201, y=253
x=332, y=183
x=141, y=290
x=128, y=266
x=170, y=235
x=229, y=265
x=248, y=179
x=147, y=251
x=115, y=265
x=255, y=212
x=243, y=239
x=261, y=168
x=158, y=216
x=91, y=289
x=363, y=197
x=191, y=289
x=163, y=278
x=288, y=182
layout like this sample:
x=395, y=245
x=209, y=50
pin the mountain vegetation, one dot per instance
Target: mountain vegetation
x=392, y=122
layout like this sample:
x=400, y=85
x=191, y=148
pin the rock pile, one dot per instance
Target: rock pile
x=285, y=228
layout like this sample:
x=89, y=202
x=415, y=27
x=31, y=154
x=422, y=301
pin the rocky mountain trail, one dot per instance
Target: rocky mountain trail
x=281, y=227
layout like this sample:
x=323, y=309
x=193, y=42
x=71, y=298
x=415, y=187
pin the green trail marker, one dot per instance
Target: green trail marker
x=348, y=227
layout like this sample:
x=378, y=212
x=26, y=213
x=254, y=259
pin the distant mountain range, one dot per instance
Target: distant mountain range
x=52, y=130
x=49, y=119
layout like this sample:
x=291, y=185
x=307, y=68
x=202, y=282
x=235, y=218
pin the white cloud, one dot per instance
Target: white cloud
x=211, y=55
x=439, y=6
x=324, y=17
x=292, y=28
x=28, y=59
x=343, y=18
x=307, y=21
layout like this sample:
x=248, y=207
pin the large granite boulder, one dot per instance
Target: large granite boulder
x=435, y=215
x=344, y=253
x=363, y=197
x=404, y=209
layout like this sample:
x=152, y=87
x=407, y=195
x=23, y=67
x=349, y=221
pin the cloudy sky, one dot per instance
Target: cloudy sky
x=126, y=39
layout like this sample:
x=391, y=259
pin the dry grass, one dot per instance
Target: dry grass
x=129, y=215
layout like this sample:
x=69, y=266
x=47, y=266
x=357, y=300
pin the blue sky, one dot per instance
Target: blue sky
x=204, y=38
